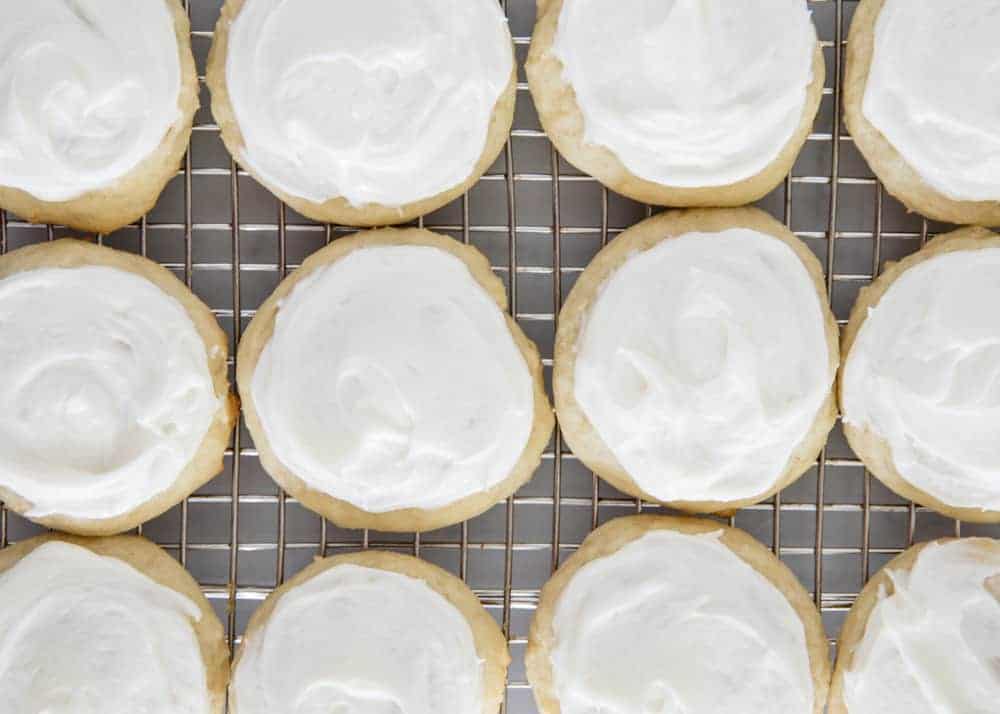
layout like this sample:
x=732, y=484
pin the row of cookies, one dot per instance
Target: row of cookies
x=386, y=386
x=651, y=614
x=376, y=113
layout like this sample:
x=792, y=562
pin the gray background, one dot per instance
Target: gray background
x=540, y=222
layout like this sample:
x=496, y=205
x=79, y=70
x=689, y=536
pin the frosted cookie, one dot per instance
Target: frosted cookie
x=920, y=388
x=695, y=360
x=96, y=105
x=385, y=387
x=363, y=113
x=114, y=399
x=929, y=122
x=659, y=614
x=393, y=634
x=678, y=103
x=110, y=625
x=924, y=636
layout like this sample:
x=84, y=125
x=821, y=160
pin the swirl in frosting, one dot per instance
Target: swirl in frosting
x=88, y=89
x=380, y=101
x=106, y=393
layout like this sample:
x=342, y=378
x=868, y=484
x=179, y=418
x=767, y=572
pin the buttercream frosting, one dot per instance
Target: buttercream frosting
x=382, y=101
x=688, y=93
x=392, y=380
x=940, y=110
x=88, y=89
x=933, y=645
x=82, y=633
x=924, y=375
x=106, y=394
x=386, y=642
x=718, y=372
x=677, y=623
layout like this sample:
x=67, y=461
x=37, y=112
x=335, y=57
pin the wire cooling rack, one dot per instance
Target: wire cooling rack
x=540, y=222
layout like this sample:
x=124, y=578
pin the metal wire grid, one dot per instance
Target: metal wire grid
x=540, y=222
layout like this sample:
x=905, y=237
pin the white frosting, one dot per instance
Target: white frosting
x=392, y=381
x=940, y=109
x=703, y=362
x=381, y=101
x=933, y=646
x=360, y=640
x=82, y=633
x=678, y=623
x=88, y=89
x=105, y=393
x=924, y=375
x=688, y=93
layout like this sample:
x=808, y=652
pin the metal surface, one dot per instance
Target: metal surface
x=540, y=222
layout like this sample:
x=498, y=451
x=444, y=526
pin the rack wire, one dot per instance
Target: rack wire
x=540, y=222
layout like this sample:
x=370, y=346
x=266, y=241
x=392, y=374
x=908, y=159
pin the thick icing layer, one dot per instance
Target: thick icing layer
x=392, y=381
x=688, y=93
x=940, y=109
x=82, y=633
x=382, y=101
x=678, y=623
x=933, y=646
x=719, y=370
x=386, y=642
x=924, y=375
x=88, y=89
x=105, y=395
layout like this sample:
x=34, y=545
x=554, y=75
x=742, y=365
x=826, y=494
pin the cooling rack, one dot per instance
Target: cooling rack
x=540, y=222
